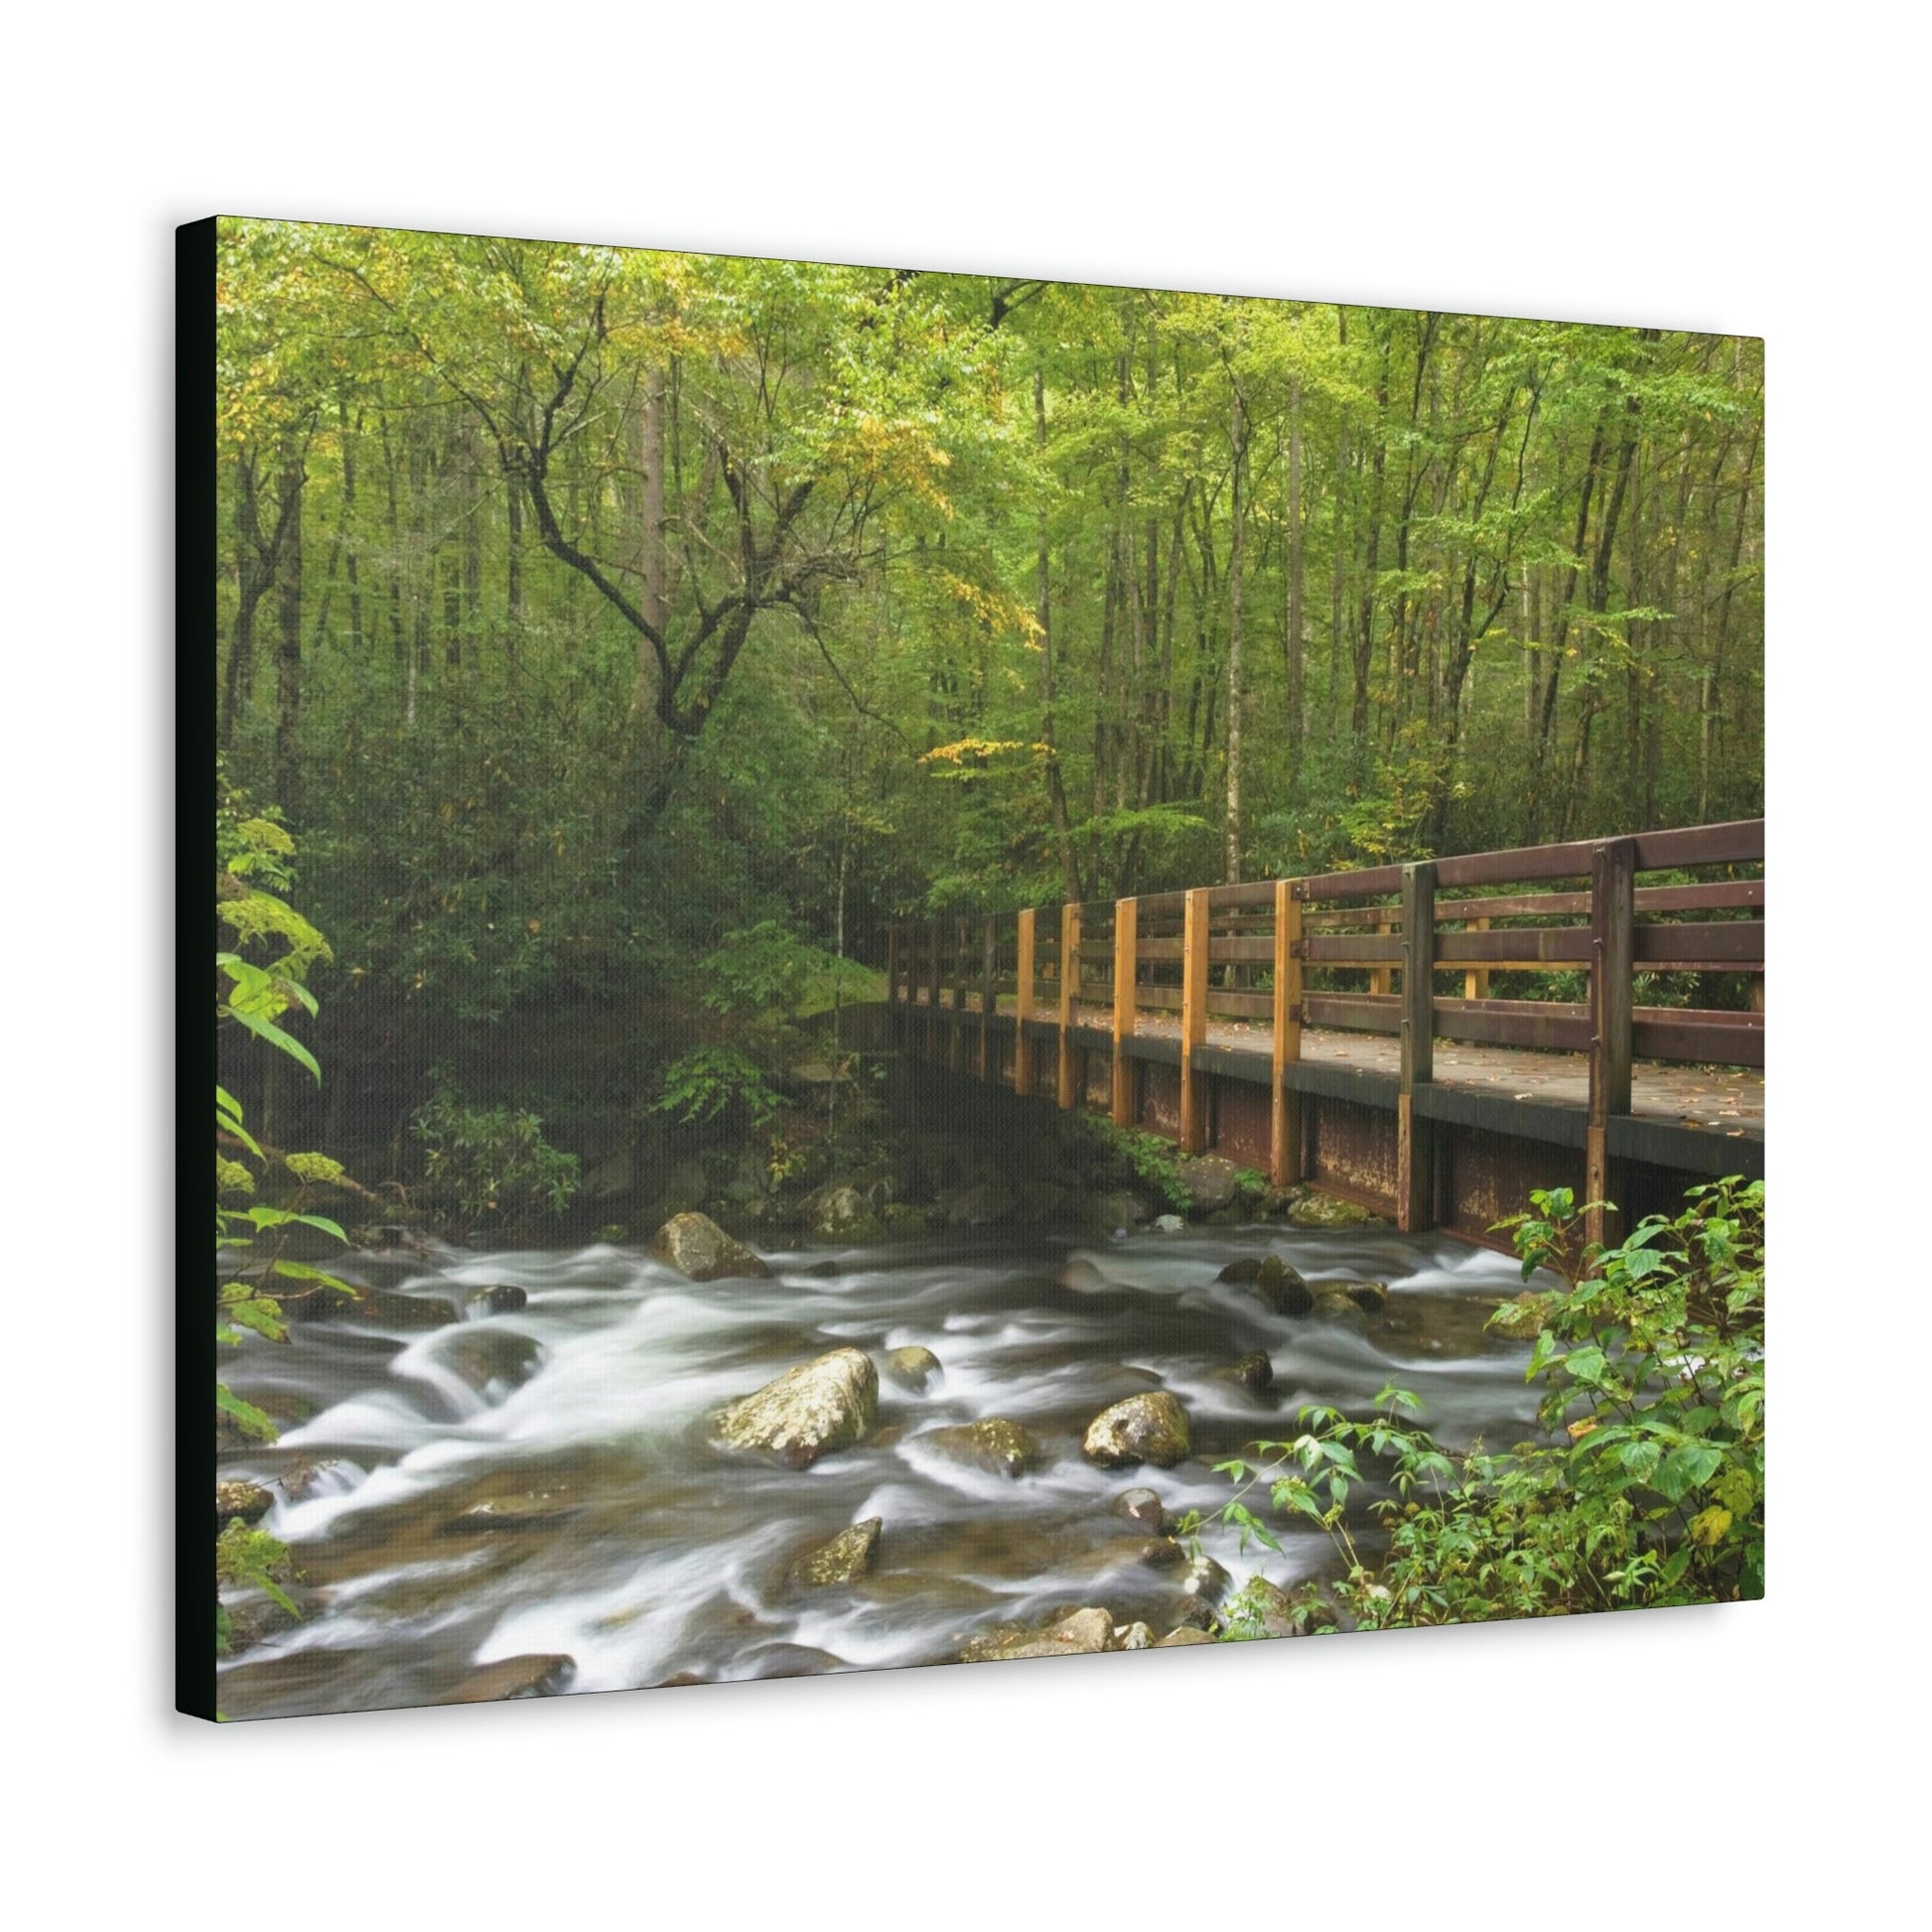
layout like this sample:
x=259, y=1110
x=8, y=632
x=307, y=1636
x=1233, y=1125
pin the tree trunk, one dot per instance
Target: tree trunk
x=1296, y=705
x=1048, y=724
x=1237, y=692
x=288, y=681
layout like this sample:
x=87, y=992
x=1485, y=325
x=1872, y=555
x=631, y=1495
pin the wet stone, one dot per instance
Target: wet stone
x=1083, y=1632
x=1143, y=1508
x=515, y=1677
x=240, y=1503
x=827, y=1403
x=847, y=1557
x=1254, y=1371
x=497, y=1297
x=1143, y=1428
x=699, y=1249
x=913, y=1369
x=996, y=1445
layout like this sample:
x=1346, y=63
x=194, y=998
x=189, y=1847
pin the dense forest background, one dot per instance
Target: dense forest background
x=581, y=608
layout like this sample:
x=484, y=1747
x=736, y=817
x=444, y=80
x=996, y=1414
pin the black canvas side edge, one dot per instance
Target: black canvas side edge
x=195, y=630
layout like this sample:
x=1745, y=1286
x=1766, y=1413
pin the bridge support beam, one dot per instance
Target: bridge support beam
x=1612, y=933
x=1284, y=1116
x=1126, y=960
x=1194, y=1021
x=1069, y=1088
x=1022, y=1007
x=1414, y=1151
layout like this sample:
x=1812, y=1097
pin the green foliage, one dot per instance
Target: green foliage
x=1155, y=1163
x=1648, y=1488
x=700, y=1085
x=490, y=1163
x=247, y=1558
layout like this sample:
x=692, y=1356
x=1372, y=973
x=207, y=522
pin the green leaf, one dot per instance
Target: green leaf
x=254, y=1425
x=268, y=1030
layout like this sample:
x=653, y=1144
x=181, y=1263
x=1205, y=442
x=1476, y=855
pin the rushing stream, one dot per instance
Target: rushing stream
x=541, y=1481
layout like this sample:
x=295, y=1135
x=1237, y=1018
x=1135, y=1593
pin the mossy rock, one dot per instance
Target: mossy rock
x=240, y=1503
x=515, y=1677
x=995, y=1445
x=1150, y=1428
x=843, y=1560
x=913, y=1369
x=1083, y=1632
x=700, y=1250
x=1328, y=1211
x=826, y=1404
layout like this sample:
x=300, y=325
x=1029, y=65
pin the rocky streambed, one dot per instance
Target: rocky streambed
x=525, y=1472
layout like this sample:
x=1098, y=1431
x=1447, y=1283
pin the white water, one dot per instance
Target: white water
x=642, y=1551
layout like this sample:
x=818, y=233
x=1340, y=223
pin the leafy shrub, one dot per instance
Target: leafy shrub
x=490, y=1161
x=1155, y=1163
x=1649, y=1487
x=699, y=1087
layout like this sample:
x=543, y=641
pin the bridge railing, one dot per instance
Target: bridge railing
x=1370, y=952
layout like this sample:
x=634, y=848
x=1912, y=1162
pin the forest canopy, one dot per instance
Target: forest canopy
x=581, y=605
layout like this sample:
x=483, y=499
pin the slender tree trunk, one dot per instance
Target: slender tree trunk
x=1297, y=704
x=1237, y=690
x=653, y=555
x=288, y=682
x=1365, y=615
x=1048, y=724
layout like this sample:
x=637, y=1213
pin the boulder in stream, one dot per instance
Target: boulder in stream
x=1212, y=1182
x=1083, y=1632
x=515, y=1677
x=826, y=1404
x=1149, y=1427
x=699, y=1249
x=996, y=1445
x=1254, y=1371
x=1335, y=1305
x=847, y=1557
x=375, y=1307
x=913, y=1369
x=1186, y=1634
x=1278, y=1284
x=499, y=1298
x=1143, y=1508
x=240, y=1503
x=842, y=1213
x=1317, y=1210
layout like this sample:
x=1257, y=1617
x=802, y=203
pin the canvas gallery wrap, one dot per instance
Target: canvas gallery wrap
x=920, y=968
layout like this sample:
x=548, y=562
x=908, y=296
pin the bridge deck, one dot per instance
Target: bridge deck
x=1716, y=1099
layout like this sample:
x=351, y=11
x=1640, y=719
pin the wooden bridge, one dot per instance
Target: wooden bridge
x=1311, y=1028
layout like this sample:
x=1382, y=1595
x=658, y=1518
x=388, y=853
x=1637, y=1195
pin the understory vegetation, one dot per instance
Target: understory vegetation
x=1648, y=1487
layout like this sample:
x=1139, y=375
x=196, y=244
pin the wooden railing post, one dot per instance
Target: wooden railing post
x=1476, y=982
x=1069, y=999
x=1126, y=948
x=892, y=965
x=1284, y=1114
x=1414, y=1189
x=1613, y=936
x=1023, y=1007
x=1194, y=1021
x=1378, y=976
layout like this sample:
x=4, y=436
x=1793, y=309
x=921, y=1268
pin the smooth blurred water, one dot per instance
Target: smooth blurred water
x=620, y=1536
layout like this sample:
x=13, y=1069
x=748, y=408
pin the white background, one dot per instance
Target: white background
x=1696, y=167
